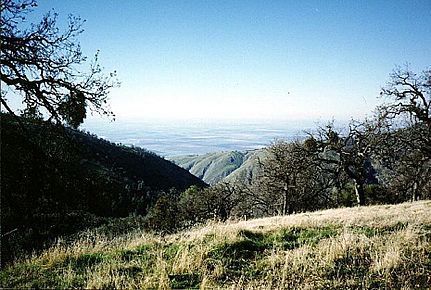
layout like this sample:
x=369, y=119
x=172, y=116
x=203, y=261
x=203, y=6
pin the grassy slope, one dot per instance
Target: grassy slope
x=368, y=247
x=221, y=166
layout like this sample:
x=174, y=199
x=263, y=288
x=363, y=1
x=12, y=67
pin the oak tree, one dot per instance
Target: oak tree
x=408, y=105
x=345, y=154
x=44, y=66
x=406, y=119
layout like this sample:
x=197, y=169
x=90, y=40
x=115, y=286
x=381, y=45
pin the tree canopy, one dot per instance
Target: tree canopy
x=43, y=65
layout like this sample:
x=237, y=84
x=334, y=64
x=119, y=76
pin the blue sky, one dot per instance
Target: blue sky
x=251, y=59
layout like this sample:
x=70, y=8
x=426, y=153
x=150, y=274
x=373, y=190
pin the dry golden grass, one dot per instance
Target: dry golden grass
x=385, y=246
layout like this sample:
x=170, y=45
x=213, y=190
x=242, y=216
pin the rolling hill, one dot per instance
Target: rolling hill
x=222, y=166
x=375, y=247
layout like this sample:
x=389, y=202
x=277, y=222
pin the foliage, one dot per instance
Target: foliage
x=290, y=181
x=216, y=202
x=348, y=155
x=195, y=205
x=165, y=215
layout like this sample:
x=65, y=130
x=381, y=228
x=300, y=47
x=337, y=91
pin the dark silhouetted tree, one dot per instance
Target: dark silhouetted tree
x=408, y=105
x=406, y=121
x=44, y=66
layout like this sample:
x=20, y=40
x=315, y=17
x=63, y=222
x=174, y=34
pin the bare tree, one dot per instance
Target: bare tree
x=43, y=65
x=408, y=105
x=406, y=117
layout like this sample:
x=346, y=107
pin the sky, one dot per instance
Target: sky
x=245, y=59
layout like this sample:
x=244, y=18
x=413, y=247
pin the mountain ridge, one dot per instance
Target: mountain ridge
x=222, y=166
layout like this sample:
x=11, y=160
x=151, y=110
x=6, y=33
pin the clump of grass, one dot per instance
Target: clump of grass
x=369, y=247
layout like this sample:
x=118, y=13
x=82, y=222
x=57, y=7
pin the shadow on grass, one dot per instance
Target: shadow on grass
x=239, y=258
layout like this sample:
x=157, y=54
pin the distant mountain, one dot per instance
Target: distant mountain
x=222, y=166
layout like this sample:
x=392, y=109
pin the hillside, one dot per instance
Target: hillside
x=386, y=246
x=221, y=166
x=56, y=181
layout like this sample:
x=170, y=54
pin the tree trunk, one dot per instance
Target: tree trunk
x=290, y=209
x=415, y=194
x=360, y=194
x=286, y=203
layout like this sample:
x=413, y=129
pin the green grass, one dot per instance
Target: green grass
x=370, y=247
x=374, y=231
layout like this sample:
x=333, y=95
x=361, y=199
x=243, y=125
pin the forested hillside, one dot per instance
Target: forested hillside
x=56, y=180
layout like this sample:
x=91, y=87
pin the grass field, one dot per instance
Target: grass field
x=386, y=246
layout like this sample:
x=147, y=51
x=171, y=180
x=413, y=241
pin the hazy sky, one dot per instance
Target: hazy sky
x=251, y=59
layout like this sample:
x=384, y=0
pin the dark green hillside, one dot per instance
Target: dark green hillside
x=135, y=164
x=55, y=181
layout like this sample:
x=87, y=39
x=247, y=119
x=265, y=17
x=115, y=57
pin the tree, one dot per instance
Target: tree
x=349, y=154
x=165, y=215
x=409, y=106
x=289, y=180
x=42, y=64
x=216, y=202
x=406, y=116
x=411, y=176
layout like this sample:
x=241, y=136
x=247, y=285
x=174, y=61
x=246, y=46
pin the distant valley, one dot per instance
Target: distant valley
x=198, y=137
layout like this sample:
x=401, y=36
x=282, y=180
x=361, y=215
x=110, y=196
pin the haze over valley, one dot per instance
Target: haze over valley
x=172, y=138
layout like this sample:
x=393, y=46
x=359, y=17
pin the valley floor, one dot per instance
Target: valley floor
x=387, y=246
